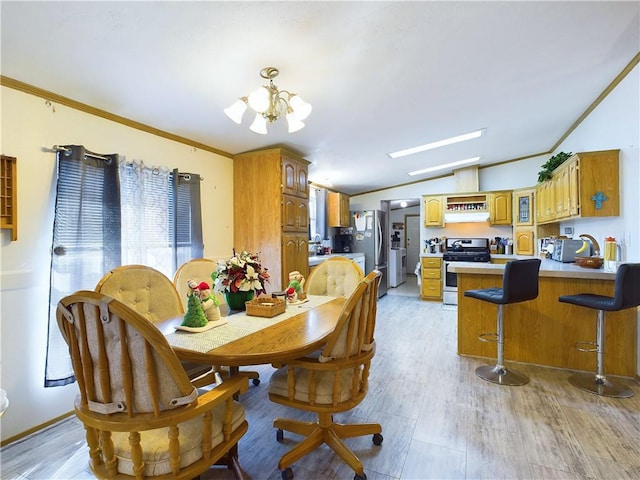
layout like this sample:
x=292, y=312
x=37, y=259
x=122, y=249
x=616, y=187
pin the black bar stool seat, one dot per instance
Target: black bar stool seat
x=519, y=284
x=626, y=295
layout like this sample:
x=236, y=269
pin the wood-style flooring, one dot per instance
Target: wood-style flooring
x=439, y=420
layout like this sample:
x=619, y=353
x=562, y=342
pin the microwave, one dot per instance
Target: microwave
x=564, y=250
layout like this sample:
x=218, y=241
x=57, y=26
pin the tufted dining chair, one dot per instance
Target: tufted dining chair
x=200, y=269
x=331, y=381
x=335, y=277
x=142, y=415
x=151, y=294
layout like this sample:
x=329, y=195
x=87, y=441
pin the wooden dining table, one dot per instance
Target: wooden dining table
x=247, y=340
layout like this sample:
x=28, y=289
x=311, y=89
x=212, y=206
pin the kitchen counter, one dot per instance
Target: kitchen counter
x=317, y=259
x=548, y=268
x=544, y=331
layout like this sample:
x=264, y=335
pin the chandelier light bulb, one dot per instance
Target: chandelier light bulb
x=236, y=111
x=259, y=124
x=259, y=99
x=294, y=121
x=301, y=108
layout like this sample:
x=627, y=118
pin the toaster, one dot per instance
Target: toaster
x=564, y=250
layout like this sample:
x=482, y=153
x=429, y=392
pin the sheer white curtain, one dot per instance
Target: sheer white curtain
x=145, y=198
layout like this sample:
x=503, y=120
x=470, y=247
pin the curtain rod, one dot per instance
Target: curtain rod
x=87, y=153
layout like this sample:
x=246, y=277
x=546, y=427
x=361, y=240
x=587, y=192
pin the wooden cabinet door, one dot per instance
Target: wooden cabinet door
x=295, y=214
x=433, y=213
x=338, y=207
x=295, y=256
x=294, y=177
x=500, y=210
x=523, y=207
x=574, y=188
x=524, y=242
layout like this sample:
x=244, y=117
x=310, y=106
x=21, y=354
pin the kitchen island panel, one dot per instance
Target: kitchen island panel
x=544, y=331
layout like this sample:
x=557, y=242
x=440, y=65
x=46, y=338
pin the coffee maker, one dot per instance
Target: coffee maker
x=342, y=243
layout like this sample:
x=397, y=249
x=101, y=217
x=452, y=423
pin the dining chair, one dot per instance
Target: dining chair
x=335, y=277
x=199, y=270
x=331, y=381
x=142, y=415
x=151, y=294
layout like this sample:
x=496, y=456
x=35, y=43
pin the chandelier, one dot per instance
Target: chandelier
x=269, y=103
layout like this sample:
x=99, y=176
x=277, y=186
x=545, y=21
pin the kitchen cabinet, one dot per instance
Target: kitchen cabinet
x=523, y=207
x=272, y=219
x=431, y=271
x=500, y=208
x=586, y=185
x=338, y=205
x=295, y=214
x=433, y=211
x=524, y=241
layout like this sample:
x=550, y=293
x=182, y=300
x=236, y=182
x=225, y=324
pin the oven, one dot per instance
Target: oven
x=460, y=250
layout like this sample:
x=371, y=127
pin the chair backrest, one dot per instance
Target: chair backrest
x=520, y=281
x=144, y=289
x=627, y=286
x=354, y=330
x=199, y=270
x=121, y=361
x=335, y=277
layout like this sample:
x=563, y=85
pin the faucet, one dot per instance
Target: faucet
x=317, y=239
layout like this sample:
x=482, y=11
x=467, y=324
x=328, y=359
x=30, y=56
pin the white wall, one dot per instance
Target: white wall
x=29, y=127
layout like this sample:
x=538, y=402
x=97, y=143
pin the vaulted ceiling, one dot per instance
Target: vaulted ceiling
x=381, y=76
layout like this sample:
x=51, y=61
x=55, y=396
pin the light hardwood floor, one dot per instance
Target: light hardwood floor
x=439, y=420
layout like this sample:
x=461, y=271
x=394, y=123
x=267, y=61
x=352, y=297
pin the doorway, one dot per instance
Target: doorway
x=412, y=241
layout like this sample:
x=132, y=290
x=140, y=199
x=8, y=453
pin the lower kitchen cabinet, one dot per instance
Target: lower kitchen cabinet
x=431, y=288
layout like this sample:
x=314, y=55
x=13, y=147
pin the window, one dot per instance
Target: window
x=109, y=214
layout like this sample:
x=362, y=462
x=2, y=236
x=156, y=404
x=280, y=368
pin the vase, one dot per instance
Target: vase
x=236, y=300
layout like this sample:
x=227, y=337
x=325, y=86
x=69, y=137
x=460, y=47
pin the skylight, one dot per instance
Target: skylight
x=439, y=143
x=445, y=165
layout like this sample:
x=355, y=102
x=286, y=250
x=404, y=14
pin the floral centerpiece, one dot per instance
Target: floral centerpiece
x=242, y=273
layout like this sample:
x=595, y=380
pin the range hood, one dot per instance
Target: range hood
x=467, y=181
x=466, y=217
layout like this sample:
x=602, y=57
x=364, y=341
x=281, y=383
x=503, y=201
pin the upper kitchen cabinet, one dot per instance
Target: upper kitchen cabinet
x=433, y=210
x=295, y=179
x=338, y=204
x=585, y=185
x=500, y=208
x=276, y=224
x=523, y=207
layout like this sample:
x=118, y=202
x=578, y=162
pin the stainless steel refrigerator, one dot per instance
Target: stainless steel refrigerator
x=370, y=237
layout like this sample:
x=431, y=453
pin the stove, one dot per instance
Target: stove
x=467, y=250
x=460, y=250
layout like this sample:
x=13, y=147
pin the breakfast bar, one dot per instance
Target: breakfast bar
x=544, y=331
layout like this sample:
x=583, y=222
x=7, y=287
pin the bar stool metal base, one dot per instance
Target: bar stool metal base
x=600, y=386
x=501, y=376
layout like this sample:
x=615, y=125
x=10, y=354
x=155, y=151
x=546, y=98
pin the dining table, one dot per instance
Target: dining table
x=253, y=340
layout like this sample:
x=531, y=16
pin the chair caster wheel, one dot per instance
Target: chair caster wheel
x=280, y=437
x=360, y=477
x=287, y=474
x=377, y=439
x=256, y=381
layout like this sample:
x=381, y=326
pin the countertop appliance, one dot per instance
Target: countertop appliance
x=564, y=250
x=342, y=243
x=370, y=237
x=460, y=250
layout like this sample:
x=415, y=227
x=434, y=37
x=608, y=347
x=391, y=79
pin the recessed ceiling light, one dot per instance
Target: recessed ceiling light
x=445, y=165
x=439, y=143
x=403, y=204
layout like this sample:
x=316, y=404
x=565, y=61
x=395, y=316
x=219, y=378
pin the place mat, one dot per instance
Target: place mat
x=238, y=325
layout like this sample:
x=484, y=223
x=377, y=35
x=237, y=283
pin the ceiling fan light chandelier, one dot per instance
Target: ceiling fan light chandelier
x=269, y=103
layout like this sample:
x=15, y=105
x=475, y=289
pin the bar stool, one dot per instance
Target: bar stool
x=519, y=284
x=626, y=295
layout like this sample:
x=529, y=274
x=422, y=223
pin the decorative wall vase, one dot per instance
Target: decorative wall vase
x=236, y=300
